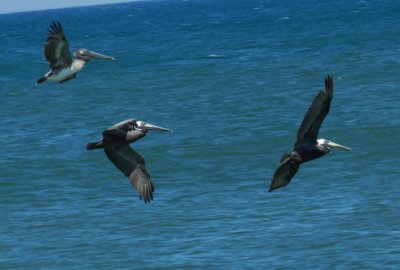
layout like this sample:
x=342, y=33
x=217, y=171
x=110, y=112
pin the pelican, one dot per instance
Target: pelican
x=56, y=51
x=307, y=146
x=115, y=143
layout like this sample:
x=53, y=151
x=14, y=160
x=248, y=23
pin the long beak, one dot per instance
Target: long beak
x=148, y=126
x=100, y=56
x=338, y=146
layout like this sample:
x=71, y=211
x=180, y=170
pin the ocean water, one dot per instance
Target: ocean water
x=233, y=79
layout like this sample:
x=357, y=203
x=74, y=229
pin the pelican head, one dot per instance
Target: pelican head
x=328, y=145
x=140, y=125
x=86, y=55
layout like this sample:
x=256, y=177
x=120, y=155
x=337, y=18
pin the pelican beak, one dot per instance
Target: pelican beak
x=147, y=126
x=100, y=56
x=338, y=146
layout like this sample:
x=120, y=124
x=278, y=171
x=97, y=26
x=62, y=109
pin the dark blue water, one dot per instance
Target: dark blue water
x=233, y=79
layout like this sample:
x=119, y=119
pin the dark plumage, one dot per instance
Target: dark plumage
x=115, y=143
x=56, y=49
x=307, y=147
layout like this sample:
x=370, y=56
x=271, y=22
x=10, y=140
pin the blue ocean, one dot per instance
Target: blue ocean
x=234, y=80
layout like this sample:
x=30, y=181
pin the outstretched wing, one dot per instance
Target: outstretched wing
x=286, y=170
x=312, y=121
x=56, y=49
x=132, y=164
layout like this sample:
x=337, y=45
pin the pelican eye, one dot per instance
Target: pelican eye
x=138, y=125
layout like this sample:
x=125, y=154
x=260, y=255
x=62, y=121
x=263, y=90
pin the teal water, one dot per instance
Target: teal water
x=233, y=79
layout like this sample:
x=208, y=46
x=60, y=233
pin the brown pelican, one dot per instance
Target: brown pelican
x=307, y=147
x=115, y=143
x=56, y=51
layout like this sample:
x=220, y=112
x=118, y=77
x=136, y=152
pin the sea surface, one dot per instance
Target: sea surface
x=233, y=79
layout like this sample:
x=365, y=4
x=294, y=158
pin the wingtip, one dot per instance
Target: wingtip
x=147, y=199
x=59, y=26
x=328, y=78
x=329, y=85
x=55, y=27
x=277, y=183
x=272, y=188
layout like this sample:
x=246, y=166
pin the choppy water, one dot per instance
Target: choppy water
x=234, y=80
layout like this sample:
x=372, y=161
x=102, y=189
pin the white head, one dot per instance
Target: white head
x=329, y=144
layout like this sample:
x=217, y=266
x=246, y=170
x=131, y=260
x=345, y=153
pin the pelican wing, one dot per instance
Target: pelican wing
x=56, y=49
x=124, y=125
x=312, y=121
x=286, y=170
x=132, y=164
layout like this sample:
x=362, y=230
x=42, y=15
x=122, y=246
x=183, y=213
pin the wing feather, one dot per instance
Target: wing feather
x=285, y=172
x=315, y=115
x=56, y=49
x=132, y=164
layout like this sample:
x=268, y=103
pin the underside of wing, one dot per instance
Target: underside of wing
x=286, y=170
x=56, y=49
x=132, y=164
x=315, y=115
x=141, y=181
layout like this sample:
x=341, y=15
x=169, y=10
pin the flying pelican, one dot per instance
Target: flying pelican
x=307, y=147
x=56, y=51
x=115, y=143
